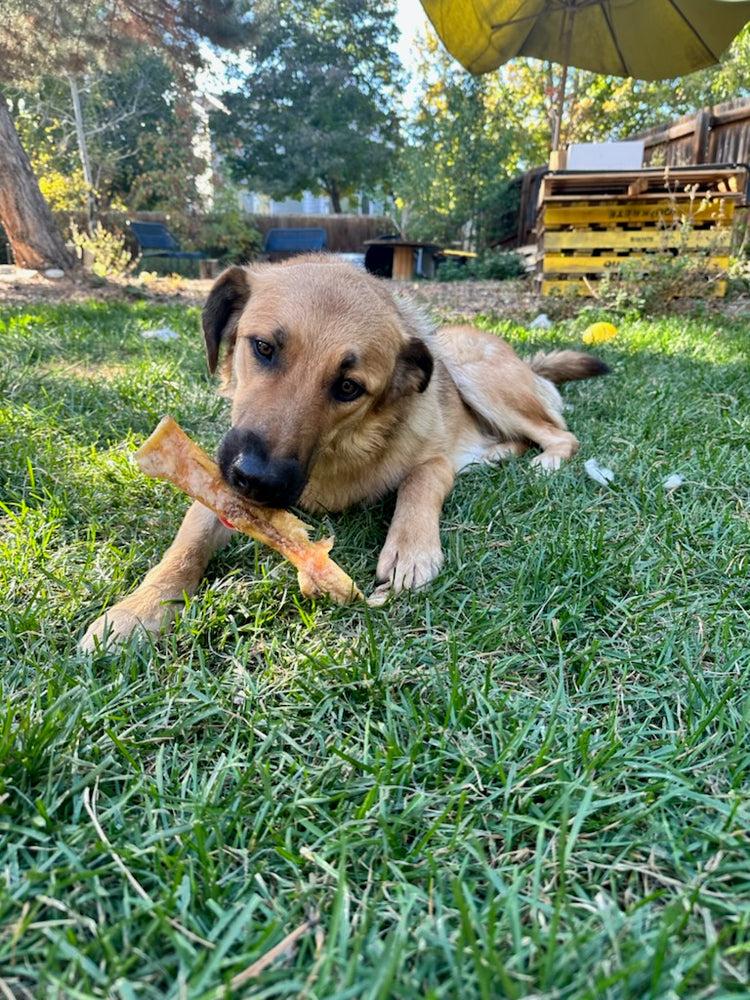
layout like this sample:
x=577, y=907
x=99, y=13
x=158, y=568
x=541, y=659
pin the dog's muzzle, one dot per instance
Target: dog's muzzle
x=249, y=469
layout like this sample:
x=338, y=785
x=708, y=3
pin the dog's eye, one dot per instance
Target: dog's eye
x=346, y=389
x=263, y=349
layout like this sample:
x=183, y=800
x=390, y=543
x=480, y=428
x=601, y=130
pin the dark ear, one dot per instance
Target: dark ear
x=225, y=302
x=413, y=369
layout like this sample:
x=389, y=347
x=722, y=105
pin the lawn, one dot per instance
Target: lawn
x=530, y=780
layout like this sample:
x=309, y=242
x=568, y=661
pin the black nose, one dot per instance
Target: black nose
x=249, y=469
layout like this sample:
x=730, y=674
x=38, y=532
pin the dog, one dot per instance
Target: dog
x=341, y=393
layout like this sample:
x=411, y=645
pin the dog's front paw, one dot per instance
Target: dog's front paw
x=110, y=630
x=404, y=567
x=133, y=618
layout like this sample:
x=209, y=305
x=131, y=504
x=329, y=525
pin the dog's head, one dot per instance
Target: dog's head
x=318, y=361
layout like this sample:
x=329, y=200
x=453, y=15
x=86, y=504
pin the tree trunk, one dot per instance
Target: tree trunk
x=34, y=236
x=335, y=195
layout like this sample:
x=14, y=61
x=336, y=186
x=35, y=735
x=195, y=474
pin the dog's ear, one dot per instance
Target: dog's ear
x=222, y=310
x=413, y=369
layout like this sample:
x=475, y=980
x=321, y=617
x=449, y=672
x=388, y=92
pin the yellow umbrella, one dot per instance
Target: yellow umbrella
x=646, y=39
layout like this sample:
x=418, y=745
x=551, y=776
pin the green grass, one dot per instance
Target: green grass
x=530, y=780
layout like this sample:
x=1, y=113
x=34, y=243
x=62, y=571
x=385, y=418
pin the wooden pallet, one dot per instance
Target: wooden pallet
x=589, y=224
x=652, y=182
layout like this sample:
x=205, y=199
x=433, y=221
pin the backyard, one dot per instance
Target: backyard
x=529, y=780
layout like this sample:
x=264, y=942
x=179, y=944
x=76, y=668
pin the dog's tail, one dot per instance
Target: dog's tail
x=566, y=366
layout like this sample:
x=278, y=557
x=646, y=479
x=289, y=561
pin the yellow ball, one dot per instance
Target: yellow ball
x=598, y=333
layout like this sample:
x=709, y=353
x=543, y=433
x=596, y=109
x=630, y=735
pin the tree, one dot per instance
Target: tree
x=25, y=215
x=139, y=131
x=69, y=37
x=462, y=145
x=316, y=109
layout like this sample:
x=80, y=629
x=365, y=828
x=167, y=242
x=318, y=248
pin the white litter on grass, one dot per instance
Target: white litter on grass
x=542, y=322
x=163, y=333
x=673, y=481
x=53, y=273
x=599, y=474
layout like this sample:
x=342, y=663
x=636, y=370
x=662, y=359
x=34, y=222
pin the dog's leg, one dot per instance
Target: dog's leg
x=557, y=445
x=412, y=554
x=153, y=606
x=510, y=395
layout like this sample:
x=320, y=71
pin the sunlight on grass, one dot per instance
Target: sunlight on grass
x=529, y=780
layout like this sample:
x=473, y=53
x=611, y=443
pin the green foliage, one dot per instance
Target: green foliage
x=499, y=212
x=104, y=252
x=65, y=193
x=461, y=121
x=649, y=287
x=72, y=39
x=229, y=236
x=139, y=130
x=492, y=265
x=530, y=779
x=315, y=110
x=56, y=37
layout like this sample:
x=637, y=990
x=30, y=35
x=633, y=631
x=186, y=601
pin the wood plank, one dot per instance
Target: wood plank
x=629, y=213
x=620, y=198
x=665, y=181
x=581, y=287
x=644, y=239
x=585, y=264
x=654, y=175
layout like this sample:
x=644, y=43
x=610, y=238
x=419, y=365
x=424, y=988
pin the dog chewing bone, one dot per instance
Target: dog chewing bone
x=170, y=454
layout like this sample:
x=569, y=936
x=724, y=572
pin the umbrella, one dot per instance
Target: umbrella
x=646, y=39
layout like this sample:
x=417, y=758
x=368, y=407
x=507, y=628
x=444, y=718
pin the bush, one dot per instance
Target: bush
x=229, y=236
x=105, y=252
x=649, y=286
x=493, y=265
x=499, y=265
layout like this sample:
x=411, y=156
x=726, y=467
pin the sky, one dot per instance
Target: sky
x=410, y=18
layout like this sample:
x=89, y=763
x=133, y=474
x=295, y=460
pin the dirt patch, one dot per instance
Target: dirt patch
x=22, y=287
x=460, y=301
x=463, y=300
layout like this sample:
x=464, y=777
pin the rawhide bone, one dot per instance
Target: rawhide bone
x=170, y=454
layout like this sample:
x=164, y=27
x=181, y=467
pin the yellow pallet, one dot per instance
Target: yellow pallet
x=580, y=286
x=716, y=240
x=658, y=213
x=591, y=223
x=558, y=263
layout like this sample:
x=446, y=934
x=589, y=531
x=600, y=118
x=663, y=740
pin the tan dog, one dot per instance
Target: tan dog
x=341, y=394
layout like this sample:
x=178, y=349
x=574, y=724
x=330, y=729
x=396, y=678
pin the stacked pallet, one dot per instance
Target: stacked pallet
x=591, y=223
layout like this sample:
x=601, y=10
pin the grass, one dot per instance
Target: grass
x=530, y=780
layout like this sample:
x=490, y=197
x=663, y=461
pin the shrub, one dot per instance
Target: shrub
x=228, y=236
x=493, y=265
x=647, y=286
x=499, y=265
x=104, y=253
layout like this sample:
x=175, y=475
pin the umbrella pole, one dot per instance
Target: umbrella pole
x=560, y=109
x=567, y=35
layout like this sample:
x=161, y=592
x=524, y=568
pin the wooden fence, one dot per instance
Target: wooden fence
x=720, y=134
